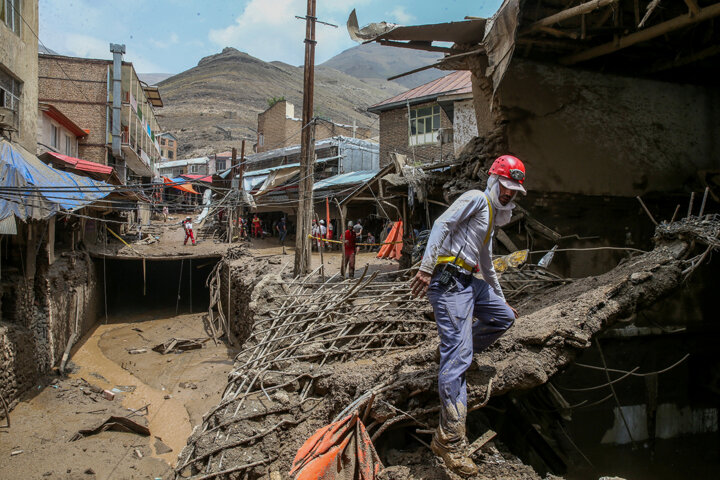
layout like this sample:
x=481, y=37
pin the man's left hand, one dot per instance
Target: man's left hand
x=513, y=310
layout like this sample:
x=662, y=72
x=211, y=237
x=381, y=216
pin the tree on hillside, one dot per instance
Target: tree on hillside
x=272, y=101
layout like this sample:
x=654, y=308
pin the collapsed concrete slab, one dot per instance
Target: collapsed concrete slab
x=322, y=349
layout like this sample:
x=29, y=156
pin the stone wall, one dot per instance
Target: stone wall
x=40, y=312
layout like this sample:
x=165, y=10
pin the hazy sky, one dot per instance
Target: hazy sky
x=169, y=36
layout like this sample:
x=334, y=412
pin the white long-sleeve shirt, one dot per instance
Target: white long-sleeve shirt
x=464, y=225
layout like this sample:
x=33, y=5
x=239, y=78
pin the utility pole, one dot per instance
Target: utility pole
x=307, y=150
x=307, y=146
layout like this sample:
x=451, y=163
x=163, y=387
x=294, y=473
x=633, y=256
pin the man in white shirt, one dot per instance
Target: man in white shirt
x=460, y=245
x=187, y=224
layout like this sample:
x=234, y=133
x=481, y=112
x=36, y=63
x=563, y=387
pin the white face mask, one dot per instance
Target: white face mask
x=501, y=213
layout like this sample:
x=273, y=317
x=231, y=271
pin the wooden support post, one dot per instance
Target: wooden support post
x=341, y=235
x=189, y=282
x=144, y=278
x=307, y=149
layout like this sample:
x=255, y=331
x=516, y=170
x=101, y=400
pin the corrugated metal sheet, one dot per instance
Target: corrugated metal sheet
x=467, y=32
x=350, y=178
x=8, y=226
x=456, y=82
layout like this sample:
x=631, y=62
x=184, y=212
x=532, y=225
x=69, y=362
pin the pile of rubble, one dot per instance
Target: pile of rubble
x=318, y=350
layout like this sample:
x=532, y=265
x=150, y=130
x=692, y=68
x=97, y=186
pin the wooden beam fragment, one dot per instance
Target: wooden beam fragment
x=643, y=35
x=569, y=13
x=417, y=46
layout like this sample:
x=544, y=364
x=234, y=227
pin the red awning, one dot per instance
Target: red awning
x=83, y=165
x=199, y=178
x=185, y=187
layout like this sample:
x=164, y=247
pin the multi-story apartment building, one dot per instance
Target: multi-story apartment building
x=93, y=93
x=168, y=146
x=19, y=72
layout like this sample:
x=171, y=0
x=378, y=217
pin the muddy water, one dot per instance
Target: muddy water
x=167, y=418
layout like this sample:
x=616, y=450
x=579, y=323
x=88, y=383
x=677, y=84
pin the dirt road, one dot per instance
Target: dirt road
x=176, y=388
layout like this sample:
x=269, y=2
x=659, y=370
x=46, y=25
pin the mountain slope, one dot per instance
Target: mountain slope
x=212, y=106
x=374, y=61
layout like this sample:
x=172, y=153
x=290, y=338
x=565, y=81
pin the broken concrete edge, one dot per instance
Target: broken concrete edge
x=548, y=336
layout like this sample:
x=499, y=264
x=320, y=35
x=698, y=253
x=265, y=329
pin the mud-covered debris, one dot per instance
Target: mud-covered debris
x=118, y=424
x=179, y=345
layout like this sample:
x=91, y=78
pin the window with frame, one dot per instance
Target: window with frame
x=220, y=165
x=162, y=141
x=170, y=154
x=10, y=90
x=54, y=136
x=68, y=146
x=10, y=14
x=424, y=124
x=196, y=169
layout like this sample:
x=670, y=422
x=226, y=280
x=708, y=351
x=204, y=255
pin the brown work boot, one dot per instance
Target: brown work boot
x=454, y=457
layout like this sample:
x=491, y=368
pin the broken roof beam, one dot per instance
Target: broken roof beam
x=643, y=35
x=439, y=63
x=427, y=46
x=569, y=13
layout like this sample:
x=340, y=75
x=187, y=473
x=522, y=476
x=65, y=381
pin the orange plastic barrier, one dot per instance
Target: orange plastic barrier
x=339, y=451
x=393, y=247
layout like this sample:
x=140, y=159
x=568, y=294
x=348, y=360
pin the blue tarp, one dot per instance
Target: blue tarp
x=31, y=189
x=350, y=178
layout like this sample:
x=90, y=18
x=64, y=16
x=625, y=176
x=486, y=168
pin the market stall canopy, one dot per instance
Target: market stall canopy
x=87, y=168
x=198, y=178
x=31, y=189
x=181, y=184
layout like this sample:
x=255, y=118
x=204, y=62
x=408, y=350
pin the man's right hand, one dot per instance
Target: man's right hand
x=420, y=283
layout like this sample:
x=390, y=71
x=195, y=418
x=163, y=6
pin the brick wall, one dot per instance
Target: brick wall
x=82, y=98
x=394, y=137
x=280, y=131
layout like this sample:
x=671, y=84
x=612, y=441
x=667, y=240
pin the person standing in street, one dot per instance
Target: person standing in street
x=349, y=252
x=187, y=224
x=282, y=231
x=471, y=314
x=256, y=226
x=165, y=213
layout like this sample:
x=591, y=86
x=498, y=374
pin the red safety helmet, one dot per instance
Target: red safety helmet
x=509, y=167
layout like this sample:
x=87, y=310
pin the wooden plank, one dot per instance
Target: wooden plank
x=643, y=35
x=505, y=240
x=429, y=47
x=569, y=13
x=481, y=441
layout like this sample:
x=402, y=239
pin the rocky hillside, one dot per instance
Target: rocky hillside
x=374, y=61
x=213, y=106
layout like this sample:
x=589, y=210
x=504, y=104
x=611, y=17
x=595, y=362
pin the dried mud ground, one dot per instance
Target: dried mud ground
x=50, y=414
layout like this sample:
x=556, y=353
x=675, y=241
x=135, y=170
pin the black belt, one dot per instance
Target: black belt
x=454, y=271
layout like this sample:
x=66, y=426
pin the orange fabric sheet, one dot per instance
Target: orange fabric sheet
x=339, y=451
x=393, y=249
x=185, y=187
